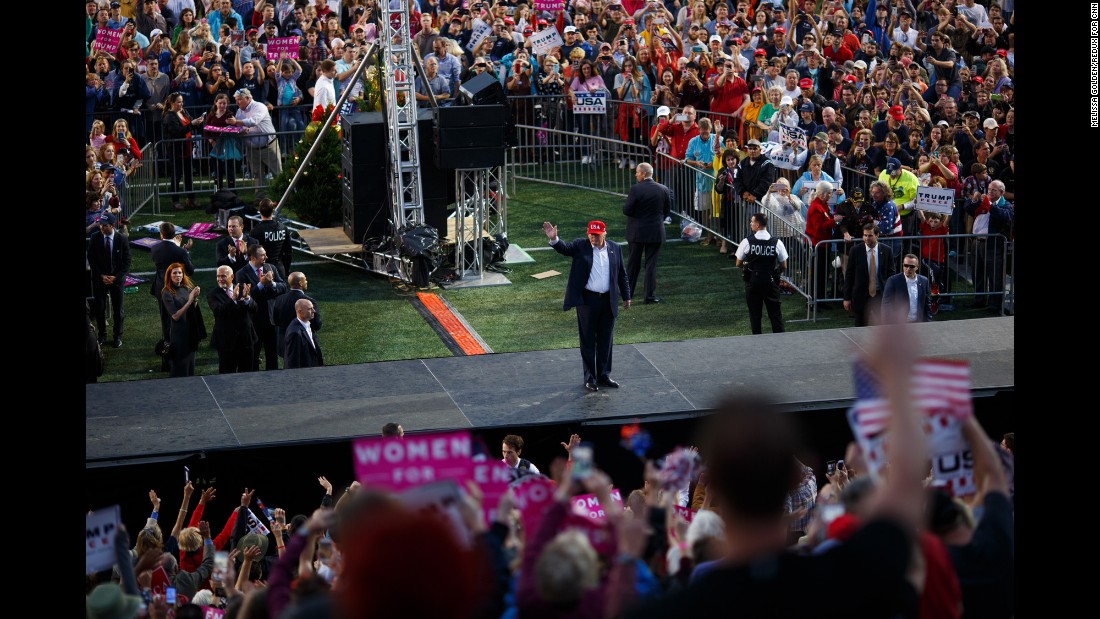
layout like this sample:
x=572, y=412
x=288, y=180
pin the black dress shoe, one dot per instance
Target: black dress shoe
x=607, y=382
x=118, y=342
x=591, y=387
x=652, y=300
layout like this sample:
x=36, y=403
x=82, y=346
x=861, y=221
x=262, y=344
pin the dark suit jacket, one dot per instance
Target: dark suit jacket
x=165, y=254
x=856, y=279
x=581, y=252
x=233, y=328
x=265, y=298
x=101, y=264
x=297, y=351
x=897, y=294
x=285, y=314
x=646, y=207
x=221, y=252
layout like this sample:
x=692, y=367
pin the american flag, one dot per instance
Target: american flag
x=939, y=386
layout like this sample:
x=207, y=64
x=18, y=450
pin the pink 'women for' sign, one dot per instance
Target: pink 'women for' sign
x=399, y=463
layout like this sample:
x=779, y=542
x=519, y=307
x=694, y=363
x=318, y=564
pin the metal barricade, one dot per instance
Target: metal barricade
x=962, y=265
x=554, y=156
x=141, y=184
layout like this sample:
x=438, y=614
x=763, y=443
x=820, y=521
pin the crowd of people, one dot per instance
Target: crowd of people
x=887, y=96
x=741, y=523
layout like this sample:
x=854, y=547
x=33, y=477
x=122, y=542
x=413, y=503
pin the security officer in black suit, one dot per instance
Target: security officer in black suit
x=266, y=286
x=109, y=259
x=647, y=205
x=596, y=278
x=762, y=258
x=863, y=285
x=284, y=307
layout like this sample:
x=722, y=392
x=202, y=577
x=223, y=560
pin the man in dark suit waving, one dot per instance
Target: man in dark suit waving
x=596, y=278
x=870, y=264
x=301, y=348
x=908, y=295
x=646, y=207
x=109, y=259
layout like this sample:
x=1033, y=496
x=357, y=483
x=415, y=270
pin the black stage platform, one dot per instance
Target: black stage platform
x=126, y=421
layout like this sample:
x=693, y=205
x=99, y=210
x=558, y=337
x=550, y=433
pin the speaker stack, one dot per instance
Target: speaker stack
x=364, y=194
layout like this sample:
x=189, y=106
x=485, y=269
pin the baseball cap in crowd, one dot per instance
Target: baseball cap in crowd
x=821, y=135
x=629, y=21
x=904, y=12
x=735, y=40
x=715, y=37
x=155, y=33
x=850, y=79
x=456, y=18
x=250, y=32
x=1008, y=84
x=509, y=21
x=115, y=5
x=271, y=23
x=779, y=30
x=752, y=142
x=785, y=101
x=594, y=227
x=897, y=113
x=663, y=111
x=107, y=219
x=806, y=107
x=1003, y=53
x=943, y=123
x=760, y=52
x=849, y=66
x=977, y=79
x=528, y=30
x=990, y=123
x=569, y=29
x=543, y=22
x=859, y=64
x=805, y=83
x=892, y=165
x=857, y=195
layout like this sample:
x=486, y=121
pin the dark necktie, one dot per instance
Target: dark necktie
x=110, y=258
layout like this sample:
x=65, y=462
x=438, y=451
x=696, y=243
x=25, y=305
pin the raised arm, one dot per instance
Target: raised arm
x=182, y=516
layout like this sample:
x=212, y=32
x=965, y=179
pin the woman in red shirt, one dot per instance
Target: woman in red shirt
x=820, y=226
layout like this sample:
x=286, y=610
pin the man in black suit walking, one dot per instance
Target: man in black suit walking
x=167, y=252
x=266, y=286
x=646, y=207
x=870, y=264
x=908, y=295
x=109, y=259
x=596, y=278
x=301, y=348
x=284, y=306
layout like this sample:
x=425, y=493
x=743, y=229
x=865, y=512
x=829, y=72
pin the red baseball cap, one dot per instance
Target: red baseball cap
x=509, y=20
x=977, y=78
x=528, y=30
x=543, y=22
x=760, y=52
x=780, y=30
x=805, y=83
x=897, y=113
x=1003, y=53
x=628, y=20
x=596, y=227
x=850, y=78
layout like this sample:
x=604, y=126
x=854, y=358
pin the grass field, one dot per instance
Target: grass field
x=369, y=318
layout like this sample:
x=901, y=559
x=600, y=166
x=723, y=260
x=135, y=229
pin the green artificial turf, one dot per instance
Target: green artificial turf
x=368, y=317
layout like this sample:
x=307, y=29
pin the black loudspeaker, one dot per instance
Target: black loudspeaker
x=483, y=88
x=437, y=185
x=470, y=136
x=365, y=196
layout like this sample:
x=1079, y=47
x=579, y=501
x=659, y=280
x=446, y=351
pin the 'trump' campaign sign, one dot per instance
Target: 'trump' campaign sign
x=99, y=539
x=935, y=199
x=543, y=41
x=278, y=45
x=397, y=464
x=107, y=40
